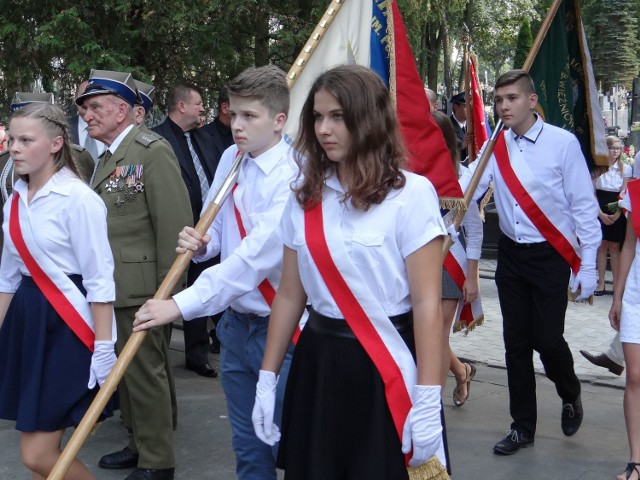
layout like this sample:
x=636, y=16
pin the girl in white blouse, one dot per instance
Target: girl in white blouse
x=56, y=287
x=608, y=186
x=363, y=242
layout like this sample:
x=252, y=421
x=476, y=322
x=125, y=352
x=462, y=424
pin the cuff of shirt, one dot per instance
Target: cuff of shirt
x=189, y=304
x=473, y=253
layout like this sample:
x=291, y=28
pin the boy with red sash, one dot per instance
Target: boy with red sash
x=244, y=233
x=548, y=217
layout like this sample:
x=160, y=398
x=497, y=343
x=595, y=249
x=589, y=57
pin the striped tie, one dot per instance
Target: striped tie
x=204, y=183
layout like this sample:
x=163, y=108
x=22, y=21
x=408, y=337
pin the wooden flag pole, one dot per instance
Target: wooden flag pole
x=544, y=28
x=175, y=273
x=135, y=340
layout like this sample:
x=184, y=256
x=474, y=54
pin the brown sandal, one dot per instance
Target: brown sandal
x=458, y=399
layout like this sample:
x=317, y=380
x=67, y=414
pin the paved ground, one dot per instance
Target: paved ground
x=599, y=450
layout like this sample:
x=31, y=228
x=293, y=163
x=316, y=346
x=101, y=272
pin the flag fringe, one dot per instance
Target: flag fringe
x=431, y=470
x=461, y=325
x=452, y=203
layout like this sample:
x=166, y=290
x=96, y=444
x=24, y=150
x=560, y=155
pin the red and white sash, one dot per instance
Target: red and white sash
x=535, y=201
x=633, y=187
x=468, y=315
x=362, y=311
x=63, y=295
x=265, y=288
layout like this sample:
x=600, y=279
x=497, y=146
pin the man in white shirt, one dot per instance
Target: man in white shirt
x=245, y=235
x=548, y=216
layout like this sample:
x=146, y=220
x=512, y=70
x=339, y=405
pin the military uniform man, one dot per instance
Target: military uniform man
x=147, y=203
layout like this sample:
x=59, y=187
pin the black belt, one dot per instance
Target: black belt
x=535, y=245
x=338, y=327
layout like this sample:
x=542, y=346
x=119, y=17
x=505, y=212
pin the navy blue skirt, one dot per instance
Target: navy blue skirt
x=44, y=367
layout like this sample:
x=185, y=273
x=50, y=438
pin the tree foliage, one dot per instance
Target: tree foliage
x=162, y=41
x=523, y=44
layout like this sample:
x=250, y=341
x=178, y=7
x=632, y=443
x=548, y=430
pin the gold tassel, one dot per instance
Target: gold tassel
x=431, y=470
x=573, y=297
x=451, y=203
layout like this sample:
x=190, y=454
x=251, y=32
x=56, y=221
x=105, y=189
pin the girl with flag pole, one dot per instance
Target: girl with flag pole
x=57, y=329
x=363, y=241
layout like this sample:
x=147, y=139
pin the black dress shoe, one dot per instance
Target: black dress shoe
x=603, y=361
x=151, y=474
x=572, y=417
x=125, y=458
x=513, y=442
x=204, y=370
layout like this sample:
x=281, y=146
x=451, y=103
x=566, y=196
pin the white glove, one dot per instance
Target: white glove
x=586, y=279
x=451, y=230
x=102, y=361
x=423, y=426
x=264, y=408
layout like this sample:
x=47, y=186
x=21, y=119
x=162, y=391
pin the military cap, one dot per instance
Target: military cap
x=458, y=98
x=20, y=99
x=107, y=82
x=147, y=92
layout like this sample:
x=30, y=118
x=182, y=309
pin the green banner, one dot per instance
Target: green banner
x=563, y=76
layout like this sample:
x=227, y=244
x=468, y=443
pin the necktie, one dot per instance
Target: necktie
x=204, y=183
x=91, y=146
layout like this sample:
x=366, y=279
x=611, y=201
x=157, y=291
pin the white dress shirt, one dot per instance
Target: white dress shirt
x=70, y=224
x=244, y=263
x=378, y=241
x=611, y=180
x=554, y=157
x=636, y=166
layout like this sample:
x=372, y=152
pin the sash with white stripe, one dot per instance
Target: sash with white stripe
x=468, y=315
x=362, y=312
x=63, y=295
x=265, y=288
x=535, y=201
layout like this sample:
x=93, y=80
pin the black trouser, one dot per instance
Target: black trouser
x=532, y=285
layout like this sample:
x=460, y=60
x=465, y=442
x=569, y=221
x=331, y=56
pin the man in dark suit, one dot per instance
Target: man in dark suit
x=221, y=125
x=198, y=154
x=459, y=121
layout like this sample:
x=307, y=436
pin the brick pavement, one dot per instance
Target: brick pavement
x=587, y=328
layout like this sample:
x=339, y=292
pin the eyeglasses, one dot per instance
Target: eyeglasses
x=614, y=149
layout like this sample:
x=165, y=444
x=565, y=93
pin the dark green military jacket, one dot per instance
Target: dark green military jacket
x=147, y=206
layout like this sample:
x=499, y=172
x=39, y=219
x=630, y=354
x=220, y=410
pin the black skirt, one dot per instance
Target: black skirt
x=44, y=367
x=336, y=422
x=617, y=231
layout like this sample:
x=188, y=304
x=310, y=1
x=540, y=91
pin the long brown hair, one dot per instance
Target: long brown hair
x=377, y=151
x=55, y=124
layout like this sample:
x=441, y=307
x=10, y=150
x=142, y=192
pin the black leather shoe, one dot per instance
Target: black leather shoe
x=513, y=442
x=204, y=370
x=603, y=361
x=572, y=417
x=125, y=458
x=151, y=474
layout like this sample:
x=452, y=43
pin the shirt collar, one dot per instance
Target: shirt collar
x=332, y=181
x=269, y=159
x=462, y=124
x=58, y=183
x=116, y=143
x=533, y=133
